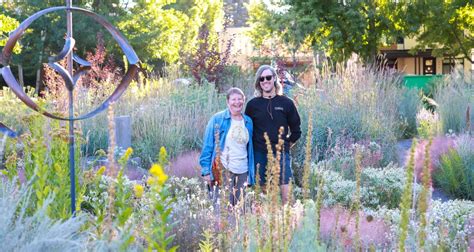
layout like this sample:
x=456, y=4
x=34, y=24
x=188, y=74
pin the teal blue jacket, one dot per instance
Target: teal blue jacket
x=221, y=122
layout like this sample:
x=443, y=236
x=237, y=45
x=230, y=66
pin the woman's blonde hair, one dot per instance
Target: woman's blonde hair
x=277, y=84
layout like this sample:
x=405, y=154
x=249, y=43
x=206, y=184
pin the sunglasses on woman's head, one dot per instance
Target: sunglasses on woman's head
x=268, y=77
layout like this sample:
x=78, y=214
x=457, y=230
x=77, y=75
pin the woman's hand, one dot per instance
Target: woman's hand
x=207, y=178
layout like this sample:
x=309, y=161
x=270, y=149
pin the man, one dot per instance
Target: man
x=270, y=110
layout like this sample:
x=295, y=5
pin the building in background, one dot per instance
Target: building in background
x=400, y=57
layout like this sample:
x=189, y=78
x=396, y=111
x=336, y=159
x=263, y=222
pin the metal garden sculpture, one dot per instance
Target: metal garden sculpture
x=70, y=77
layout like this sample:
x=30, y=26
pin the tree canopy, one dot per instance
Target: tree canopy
x=8, y=24
x=447, y=27
x=161, y=31
x=340, y=28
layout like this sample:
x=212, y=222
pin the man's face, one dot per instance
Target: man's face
x=267, y=81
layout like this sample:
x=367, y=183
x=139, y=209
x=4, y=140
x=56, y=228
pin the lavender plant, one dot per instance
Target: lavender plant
x=21, y=230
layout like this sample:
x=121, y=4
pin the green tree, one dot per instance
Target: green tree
x=7, y=24
x=339, y=28
x=163, y=31
x=155, y=31
x=160, y=31
x=447, y=27
x=45, y=36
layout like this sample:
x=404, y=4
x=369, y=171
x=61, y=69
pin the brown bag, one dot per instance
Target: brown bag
x=216, y=172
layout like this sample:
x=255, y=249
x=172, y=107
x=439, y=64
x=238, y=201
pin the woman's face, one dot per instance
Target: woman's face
x=235, y=103
x=267, y=81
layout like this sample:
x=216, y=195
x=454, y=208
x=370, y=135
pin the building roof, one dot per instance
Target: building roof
x=395, y=54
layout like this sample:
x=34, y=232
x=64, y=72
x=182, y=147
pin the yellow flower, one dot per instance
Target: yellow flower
x=162, y=179
x=163, y=156
x=101, y=153
x=101, y=171
x=150, y=180
x=157, y=171
x=128, y=153
x=138, y=189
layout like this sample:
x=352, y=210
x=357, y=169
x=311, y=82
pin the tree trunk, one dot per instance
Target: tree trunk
x=293, y=74
x=316, y=63
x=38, y=81
x=20, y=75
x=372, y=34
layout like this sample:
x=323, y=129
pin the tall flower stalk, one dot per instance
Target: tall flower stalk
x=319, y=203
x=407, y=198
x=307, y=160
x=356, y=206
x=424, y=198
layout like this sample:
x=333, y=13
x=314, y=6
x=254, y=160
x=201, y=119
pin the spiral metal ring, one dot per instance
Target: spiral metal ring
x=70, y=81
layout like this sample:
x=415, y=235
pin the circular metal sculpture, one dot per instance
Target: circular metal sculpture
x=69, y=77
x=70, y=80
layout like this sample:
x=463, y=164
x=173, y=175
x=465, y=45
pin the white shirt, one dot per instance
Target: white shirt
x=234, y=156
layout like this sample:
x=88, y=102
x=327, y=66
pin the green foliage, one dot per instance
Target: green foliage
x=428, y=124
x=378, y=186
x=445, y=26
x=258, y=17
x=276, y=26
x=95, y=195
x=157, y=231
x=207, y=244
x=151, y=28
x=339, y=28
x=304, y=238
x=46, y=163
x=165, y=30
x=405, y=204
x=453, y=97
x=152, y=107
x=424, y=198
x=409, y=105
x=159, y=31
x=456, y=173
x=354, y=104
x=8, y=24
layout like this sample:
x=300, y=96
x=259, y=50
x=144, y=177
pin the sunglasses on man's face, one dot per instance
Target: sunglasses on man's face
x=268, y=77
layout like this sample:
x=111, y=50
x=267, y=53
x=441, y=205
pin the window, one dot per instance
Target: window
x=400, y=40
x=450, y=63
x=429, y=66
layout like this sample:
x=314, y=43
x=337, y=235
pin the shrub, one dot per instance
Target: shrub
x=37, y=232
x=355, y=104
x=341, y=157
x=162, y=113
x=408, y=107
x=304, y=238
x=207, y=62
x=427, y=123
x=46, y=163
x=453, y=97
x=379, y=187
x=456, y=172
x=447, y=226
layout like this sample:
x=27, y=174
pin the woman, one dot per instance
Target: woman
x=235, y=149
